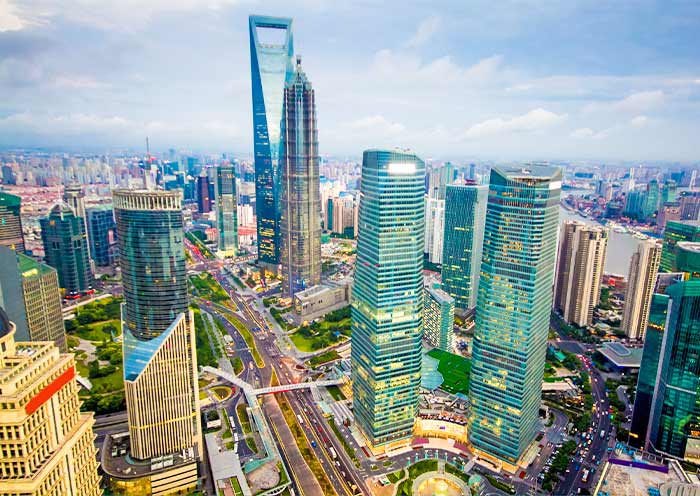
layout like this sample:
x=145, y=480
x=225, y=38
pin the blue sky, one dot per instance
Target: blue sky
x=514, y=79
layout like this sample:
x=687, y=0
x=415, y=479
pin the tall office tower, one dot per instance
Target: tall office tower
x=582, y=251
x=160, y=364
x=465, y=216
x=644, y=266
x=387, y=306
x=512, y=316
x=670, y=211
x=11, y=222
x=690, y=205
x=438, y=179
x=66, y=248
x=300, y=252
x=46, y=443
x=226, y=210
x=668, y=191
x=30, y=294
x=438, y=318
x=101, y=232
x=271, y=68
x=651, y=200
x=676, y=231
x=472, y=172
x=693, y=180
x=203, y=198
x=74, y=196
x=666, y=416
x=434, y=229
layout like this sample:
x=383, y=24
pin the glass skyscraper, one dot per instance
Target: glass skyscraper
x=66, y=248
x=465, y=212
x=438, y=318
x=512, y=315
x=387, y=306
x=301, y=197
x=100, y=225
x=271, y=68
x=152, y=259
x=226, y=210
x=10, y=222
x=675, y=231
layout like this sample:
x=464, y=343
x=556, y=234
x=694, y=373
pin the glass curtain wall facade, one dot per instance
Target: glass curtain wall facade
x=512, y=316
x=271, y=68
x=152, y=259
x=387, y=323
x=10, y=222
x=438, y=318
x=465, y=213
x=226, y=210
x=100, y=224
x=301, y=196
x=677, y=231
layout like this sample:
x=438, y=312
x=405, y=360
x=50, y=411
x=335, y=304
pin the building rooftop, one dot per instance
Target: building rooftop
x=117, y=461
x=639, y=479
x=622, y=356
x=27, y=266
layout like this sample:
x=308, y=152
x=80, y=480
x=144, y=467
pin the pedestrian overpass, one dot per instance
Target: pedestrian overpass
x=252, y=392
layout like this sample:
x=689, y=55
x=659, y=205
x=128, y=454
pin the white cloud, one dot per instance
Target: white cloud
x=633, y=104
x=532, y=121
x=588, y=133
x=378, y=123
x=584, y=132
x=9, y=17
x=79, y=83
x=426, y=29
x=640, y=121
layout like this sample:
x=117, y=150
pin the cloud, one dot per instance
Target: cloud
x=9, y=20
x=77, y=82
x=584, y=132
x=426, y=29
x=588, y=133
x=532, y=121
x=378, y=123
x=635, y=103
x=640, y=121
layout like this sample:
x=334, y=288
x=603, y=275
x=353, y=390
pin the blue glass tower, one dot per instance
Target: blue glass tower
x=271, y=68
x=387, y=306
x=512, y=315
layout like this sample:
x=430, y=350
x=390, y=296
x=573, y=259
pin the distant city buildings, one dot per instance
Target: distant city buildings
x=644, y=266
x=66, y=248
x=11, y=222
x=300, y=250
x=46, y=443
x=387, y=305
x=580, y=264
x=271, y=58
x=434, y=229
x=438, y=318
x=465, y=216
x=512, y=316
x=226, y=210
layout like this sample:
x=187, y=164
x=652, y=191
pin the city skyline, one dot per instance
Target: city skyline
x=487, y=83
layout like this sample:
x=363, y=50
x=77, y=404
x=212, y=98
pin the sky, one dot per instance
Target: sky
x=514, y=79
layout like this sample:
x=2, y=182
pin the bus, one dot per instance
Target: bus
x=584, y=479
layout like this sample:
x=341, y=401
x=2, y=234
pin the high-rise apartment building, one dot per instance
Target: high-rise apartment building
x=387, y=306
x=11, y=222
x=666, y=417
x=271, y=68
x=101, y=235
x=580, y=265
x=438, y=318
x=160, y=363
x=300, y=251
x=74, y=196
x=30, y=295
x=434, y=229
x=46, y=443
x=512, y=316
x=644, y=266
x=677, y=230
x=465, y=215
x=66, y=248
x=226, y=210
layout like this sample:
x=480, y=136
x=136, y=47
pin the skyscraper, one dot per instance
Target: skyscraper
x=226, y=210
x=582, y=251
x=387, y=306
x=434, y=229
x=101, y=229
x=160, y=363
x=677, y=230
x=301, y=198
x=644, y=266
x=438, y=318
x=66, y=248
x=203, y=197
x=74, y=196
x=271, y=68
x=11, y=222
x=465, y=214
x=46, y=443
x=512, y=317
x=30, y=295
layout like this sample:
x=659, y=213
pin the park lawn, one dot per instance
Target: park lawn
x=326, y=357
x=109, y=383
x=336, y=393
x=94, y=332
x=243, y=418
x=305, y=341
x=454, y=369
x=209, y=288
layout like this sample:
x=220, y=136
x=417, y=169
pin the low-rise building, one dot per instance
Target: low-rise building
x=317, y=301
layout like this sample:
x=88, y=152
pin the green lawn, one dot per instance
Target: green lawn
x=243, y=418
x=321, y=335
x=96, y=331
x=336, y=393
x=454, y=369
x=205, y=286
x=326, y=357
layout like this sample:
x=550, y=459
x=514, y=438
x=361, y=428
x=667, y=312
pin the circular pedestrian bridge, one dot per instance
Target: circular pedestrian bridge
x=439, y=484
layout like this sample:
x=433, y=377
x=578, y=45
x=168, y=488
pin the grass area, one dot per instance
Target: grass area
x=326, y=357
x=303, y=444
x=334, y=328
x=205, y=286
x=395, y=477
x=248, y=338
x=237, y=365
x=336, y=393
x=205, y=354
x=206, y=253
x=202, y=395
x=236, y=486
x=221, y=392
x=415, y=470
x=342, y=440
x=99, y=331
x=454, y=369
x=243, y=418
x=497, y=483
x=277, y=315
